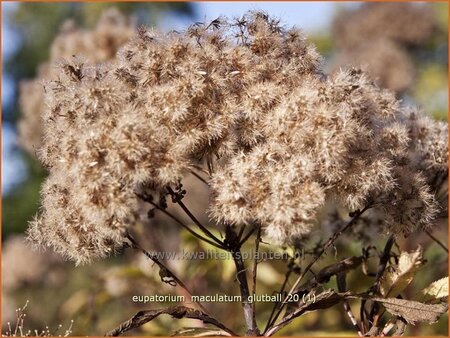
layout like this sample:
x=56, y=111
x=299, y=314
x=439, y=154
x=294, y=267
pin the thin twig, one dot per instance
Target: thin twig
x=177, y=220
x=246, y=237
x=384, y=259
x=199, y=177
x=233, y=244
x=255, y=268
x=241, y=231
x=324, y=300
x=442, y=245
x=342, y=287
x=330, y=242
x=325, y=274
x=193, y=218
x=201, y=169
x=143, y=317
x=210, y=164
x=276, y=304
x=166, y=270
x=362, y=316
x=388, y=327
x=351, y=316
x=187, y=227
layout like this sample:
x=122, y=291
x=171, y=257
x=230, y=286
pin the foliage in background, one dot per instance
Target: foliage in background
x=426, y=58
x=90, y=295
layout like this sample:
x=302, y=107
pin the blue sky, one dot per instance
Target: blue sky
x=310, y=16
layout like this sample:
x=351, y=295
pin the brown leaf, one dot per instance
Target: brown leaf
x=400, y=276
x=434, y=292
x=324, y=300
x=178, y=312
x=325, y=274
x=413, y=311
x=200, y=332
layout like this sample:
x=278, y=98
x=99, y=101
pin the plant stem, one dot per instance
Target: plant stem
x=177, y=220
x=384, y=259
x=255, y=270
x=342, y=287
x=232, y=241
x=442, y=245
x=245, y=293
x=330, y=241
x=275, y=305
x=155, y=259
x=201, y=169
x=178, y=312
x=193, y=218
x=362, y=316
x=241, y=231
x=246, y=237
x=199, y=177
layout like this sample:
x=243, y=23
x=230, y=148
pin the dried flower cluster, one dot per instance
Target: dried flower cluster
x=248, y=99
x=96, y=46
x=379, y=36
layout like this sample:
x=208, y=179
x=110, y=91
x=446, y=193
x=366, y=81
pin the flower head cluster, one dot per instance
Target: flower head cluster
x=340, y=138
x=96, y=46
x=245, y=97
x=379, y=36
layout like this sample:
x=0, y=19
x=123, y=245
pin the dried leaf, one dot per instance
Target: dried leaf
x=434, y=292
x=325, y=274
x=200, y=332
x=413, y=311
x=398, y=277
x=400, y=327
x=143, y=317
x=324, y=300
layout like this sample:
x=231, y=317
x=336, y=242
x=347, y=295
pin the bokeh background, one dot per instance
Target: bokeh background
x=410, y=60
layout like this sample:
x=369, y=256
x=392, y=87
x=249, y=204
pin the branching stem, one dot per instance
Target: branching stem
x=177, y=220
x=155, y=259
x=199, y=177
x=329, y=243
x=442, y=245
x=194, y=219
x=247, y=236
x=232, y=242
x=276, y=304
x=255, y=269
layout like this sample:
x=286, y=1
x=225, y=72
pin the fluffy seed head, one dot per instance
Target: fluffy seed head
x=247, y=98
